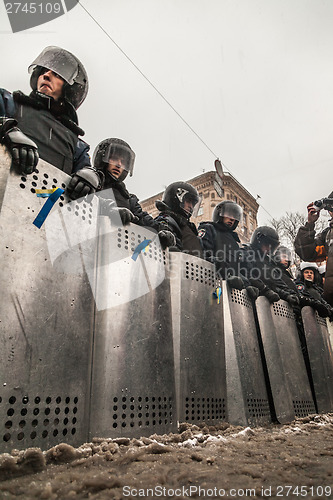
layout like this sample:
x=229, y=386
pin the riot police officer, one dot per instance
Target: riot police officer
x=45, y=123
x=261, y=270
x=219, y=238
x=179, y=202
x=114, y=159
x=221, y=244
x=308, y=284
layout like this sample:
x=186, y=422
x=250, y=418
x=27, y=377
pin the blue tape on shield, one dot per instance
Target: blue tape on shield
x=46, y=208
x=141, y=246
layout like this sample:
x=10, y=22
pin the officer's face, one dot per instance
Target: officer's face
x=51, y=84
x=188, y=206
x=116, y=166
x=284, y=261
x=308, y=275
x=228, y=221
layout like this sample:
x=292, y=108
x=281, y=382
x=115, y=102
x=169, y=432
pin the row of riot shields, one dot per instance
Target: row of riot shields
x=105, y=334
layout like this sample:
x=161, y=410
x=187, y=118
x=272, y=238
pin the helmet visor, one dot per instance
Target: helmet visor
x=120, y=155
x=231, y=210
x=191, y=204
x=61, y=62
x=283, y=254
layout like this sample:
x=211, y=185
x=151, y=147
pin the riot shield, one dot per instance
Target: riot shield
x=197, y=320
x=45, y=329
x=284, y=360
x=248, y=401
x=320, y=357
x=133, y=383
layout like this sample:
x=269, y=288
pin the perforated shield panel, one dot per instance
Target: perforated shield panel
x=285, y=364
x=197, y=321
x=247, y=394
x=320, y=357
x=45, y=330
x=133, y=383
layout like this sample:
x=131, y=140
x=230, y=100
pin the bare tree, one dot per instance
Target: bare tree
x=288, y=225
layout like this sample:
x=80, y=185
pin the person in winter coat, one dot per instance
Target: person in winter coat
x=259, y=267
x=45, y=123
x=179, y=202
x=114, y=159
x=221, y=244
x=219, y=239
x=307, y=285
x=312, y=248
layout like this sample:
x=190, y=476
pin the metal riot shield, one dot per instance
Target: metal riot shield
x=133, y=383
x=320, y=357
x=330, y=331
x=286, y=369
x=197, y=320
x=45, y=329
x=248, y=401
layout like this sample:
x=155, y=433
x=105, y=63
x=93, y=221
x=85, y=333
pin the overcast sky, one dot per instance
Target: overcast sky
x=253, y=78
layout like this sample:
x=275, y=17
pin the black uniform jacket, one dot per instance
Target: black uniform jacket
x=220, y=245
x=185, y=232
x=126, y=200
x=52, y=125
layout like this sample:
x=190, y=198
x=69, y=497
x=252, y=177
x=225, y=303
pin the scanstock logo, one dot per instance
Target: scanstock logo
x=25, y=15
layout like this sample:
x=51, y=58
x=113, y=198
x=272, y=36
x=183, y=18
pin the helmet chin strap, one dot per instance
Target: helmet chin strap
x=121, y=178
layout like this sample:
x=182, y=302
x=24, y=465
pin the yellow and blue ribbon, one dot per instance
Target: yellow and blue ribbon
x=217, y=294
x=44, y=193
x=141, y=247
x=52, y=198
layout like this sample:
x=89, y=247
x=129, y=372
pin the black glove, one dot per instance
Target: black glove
x=253, y=292
x=235, y=282
x=306, y=301
x=271, y=295
x=83, y=182
x=293, y=300
x=321, y=308
x=126, y=216
x=167, y=238
x=23, y=150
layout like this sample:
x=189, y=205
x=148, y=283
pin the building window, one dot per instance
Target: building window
x=212, y=195
x=200, y=211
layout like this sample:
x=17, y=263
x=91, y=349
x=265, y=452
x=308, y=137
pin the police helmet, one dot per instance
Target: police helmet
x=114, y=149
x=175, y=196
x=265, y=236
x=313, y=267
x=66, y=65
x=229, y=209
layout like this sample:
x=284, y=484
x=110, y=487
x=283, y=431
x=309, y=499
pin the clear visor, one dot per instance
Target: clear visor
x=269, y=243
x=231, y=210
x=191, y=204
x=61, y=62
x=121, y=156
x=283, y=254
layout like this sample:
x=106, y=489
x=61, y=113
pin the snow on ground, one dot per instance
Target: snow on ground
x=275, y=461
